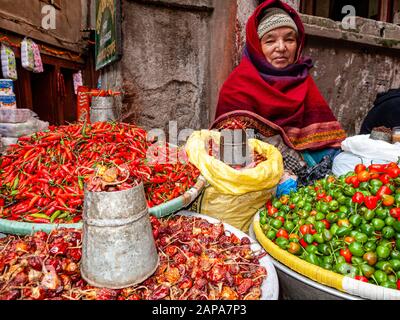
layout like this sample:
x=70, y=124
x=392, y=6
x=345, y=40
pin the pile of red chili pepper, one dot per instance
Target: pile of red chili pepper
x=43, y=175
x=198, y=261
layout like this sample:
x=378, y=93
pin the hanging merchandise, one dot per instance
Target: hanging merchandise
x=83, y=104
x=77, y=81
x=38, y=65
x=8, y=64
x=27, y=56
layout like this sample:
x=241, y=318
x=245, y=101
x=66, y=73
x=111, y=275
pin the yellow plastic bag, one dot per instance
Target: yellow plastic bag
x=234, y=196
x=227, y=180
x=238, y=211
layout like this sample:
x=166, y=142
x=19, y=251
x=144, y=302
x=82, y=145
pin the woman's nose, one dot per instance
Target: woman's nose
x=281, y=45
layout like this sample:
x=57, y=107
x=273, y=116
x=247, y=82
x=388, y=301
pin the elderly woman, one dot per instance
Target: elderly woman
x=272, y=91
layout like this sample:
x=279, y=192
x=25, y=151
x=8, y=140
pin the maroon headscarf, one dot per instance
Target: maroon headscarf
x=284, y=100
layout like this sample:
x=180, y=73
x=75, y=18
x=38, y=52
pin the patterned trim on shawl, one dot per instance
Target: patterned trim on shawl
x=248, y=122
x=316, y=134
x=296, y=138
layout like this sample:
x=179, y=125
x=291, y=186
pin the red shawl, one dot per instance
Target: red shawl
x=284, y=100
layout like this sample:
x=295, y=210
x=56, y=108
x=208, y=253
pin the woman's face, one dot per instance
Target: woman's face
x=280, y=47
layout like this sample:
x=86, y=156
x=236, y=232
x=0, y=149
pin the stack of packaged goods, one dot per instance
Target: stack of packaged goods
x=7, y=96
x=14, y=122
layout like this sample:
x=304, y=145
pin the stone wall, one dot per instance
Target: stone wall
x=351, y=67
x=178, y=53
x=164, y=71
x=176, y=56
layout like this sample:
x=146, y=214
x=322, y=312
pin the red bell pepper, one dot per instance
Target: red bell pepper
x=361, y=278
x=393, y=172
x=360, y=167
x=358, y=197
x=377, y=167
x=395, y=212
x=303, y=243
x=385, y=178
x=371, y=202
x=305, y=229
x=312, y=229
x=272, y=211
x=384, y=190
x=345, y=252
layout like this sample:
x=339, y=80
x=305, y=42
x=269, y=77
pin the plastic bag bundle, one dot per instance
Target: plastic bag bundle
x=16, y=130
x=346, y=161
x=8, y=64
x=38, y=65
x=365, y=147
x=27, y=55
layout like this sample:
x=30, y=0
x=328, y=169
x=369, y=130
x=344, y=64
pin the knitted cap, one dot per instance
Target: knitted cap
x=275, y=18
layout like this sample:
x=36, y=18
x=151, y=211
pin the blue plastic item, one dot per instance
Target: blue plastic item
x=286, y=187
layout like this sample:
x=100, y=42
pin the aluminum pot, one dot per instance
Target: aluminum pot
x=234, y=148
x=102, y=109
x=118, y=248
x=294, y=286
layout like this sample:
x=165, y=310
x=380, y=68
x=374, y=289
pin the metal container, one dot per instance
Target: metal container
x=294, y=286
x=233, y=148
x=102, y=109
x=118, y=248
x=396, y=134
x=378, y=135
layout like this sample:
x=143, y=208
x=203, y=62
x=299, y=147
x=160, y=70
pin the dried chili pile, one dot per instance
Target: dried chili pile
x=42, y=177
x=198, y=261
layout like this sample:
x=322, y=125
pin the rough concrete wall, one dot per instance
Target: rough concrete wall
x=165, y=66
x=228, y=37
x=24, y=17
x=295, y=4
x=176, y=56
x=244, y=11
x=350, y=76
x=352, y=67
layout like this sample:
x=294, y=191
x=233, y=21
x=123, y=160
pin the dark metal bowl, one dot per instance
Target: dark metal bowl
x=378, y=135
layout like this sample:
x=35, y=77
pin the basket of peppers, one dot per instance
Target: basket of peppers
x=42, y=177
x=343, y=232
